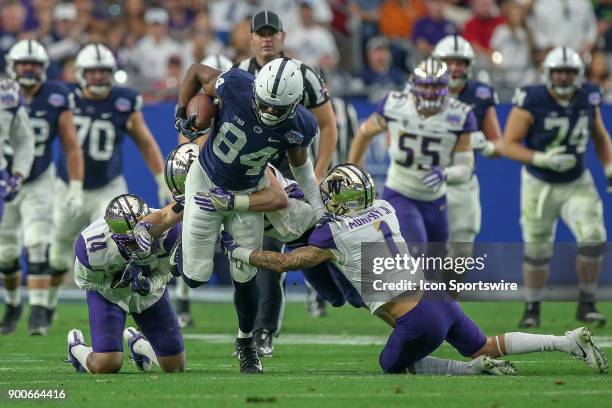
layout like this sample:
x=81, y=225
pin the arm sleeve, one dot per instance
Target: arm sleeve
x=22, y=141
x=305, y=177
x=461, y=170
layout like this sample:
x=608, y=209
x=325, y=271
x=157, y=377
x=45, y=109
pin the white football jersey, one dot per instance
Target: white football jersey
x=99, y=261
x=418, y=143
x=347, y=237
x=290, y=223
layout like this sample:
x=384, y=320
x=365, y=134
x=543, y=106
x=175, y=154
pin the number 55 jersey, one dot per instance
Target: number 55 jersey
x=419, y=143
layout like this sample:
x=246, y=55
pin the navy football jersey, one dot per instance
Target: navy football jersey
x=101, y=128
x=480, y=97
x=556, y=125
x=239, y=146
x=51, y=100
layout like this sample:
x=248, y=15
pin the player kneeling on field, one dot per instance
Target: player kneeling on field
x=421, y=321
x=120, y=280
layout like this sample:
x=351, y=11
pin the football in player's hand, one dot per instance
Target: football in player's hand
x=204, y=108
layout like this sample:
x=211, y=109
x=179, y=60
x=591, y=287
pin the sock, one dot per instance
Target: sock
x=12, y=297
x=588, y=288
x=521, y=343
x=533, y=294
x=245, y=301
x=183, y=292
x=38, y=297
x=440, y=366
x=242, y=335
x=81, y=352
x=53, y=298
x=144, y=347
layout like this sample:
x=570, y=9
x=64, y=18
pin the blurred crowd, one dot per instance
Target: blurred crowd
x=361, y=47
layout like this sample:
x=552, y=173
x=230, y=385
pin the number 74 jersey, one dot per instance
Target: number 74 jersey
x=418, y=143
x=555, y=125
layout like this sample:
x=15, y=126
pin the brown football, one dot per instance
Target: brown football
x=205, y=110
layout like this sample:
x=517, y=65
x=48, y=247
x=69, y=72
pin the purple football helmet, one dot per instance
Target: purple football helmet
x=429, y=84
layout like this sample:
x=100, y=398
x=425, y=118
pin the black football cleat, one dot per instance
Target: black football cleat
x=247, y=354
x=51, y=316
x=38, y=324
x=10, y=319
x=263, y=343
x=586, y=311
x=531, y=316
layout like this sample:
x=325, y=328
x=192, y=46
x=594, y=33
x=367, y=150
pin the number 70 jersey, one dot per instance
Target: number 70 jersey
x=418, y=143
x=101, y=128
x=556, y=125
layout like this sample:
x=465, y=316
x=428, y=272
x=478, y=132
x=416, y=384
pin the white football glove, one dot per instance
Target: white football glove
x=554, y=159
x=164, y=196
x=144, y=240
x=479, y=141
x=73, y=202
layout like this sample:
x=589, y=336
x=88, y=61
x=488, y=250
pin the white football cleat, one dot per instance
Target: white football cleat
x=75, y=338
x=489, y=366
x=584, y=348
x=142, y=362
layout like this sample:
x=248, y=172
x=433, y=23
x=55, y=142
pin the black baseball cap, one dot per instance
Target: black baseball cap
x=266, y=18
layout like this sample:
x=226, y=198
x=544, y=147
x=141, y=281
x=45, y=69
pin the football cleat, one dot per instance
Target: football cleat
x=315, y=303
x=51, y=316
x=184, y=315
x=263, y=343
x=584, y=348
x=10, y=319
x=38, y=325
x=531, y=316
x=249, y=361
x=586, y=311
x=142, y=362
x=75, y=338
x=489, y=366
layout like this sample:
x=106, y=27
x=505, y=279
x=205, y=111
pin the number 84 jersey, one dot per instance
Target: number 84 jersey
x=556, y=125
x=418, y=143
x=101, y=127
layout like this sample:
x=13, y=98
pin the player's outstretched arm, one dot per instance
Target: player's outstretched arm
x=72, y=149
x=301, y=168
x=603, y=146
x=162, y=220
x=304, y=257
x=463, y=161
x=492, y=131
x=372, y=127
x=328, y=138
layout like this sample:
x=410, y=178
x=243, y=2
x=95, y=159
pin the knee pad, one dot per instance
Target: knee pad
x=38, y=253
x=536, y=253
x=58, y=259
x=536, y=263
x=9, y=268
x=594, y=251
x=38, y=269
x=242, y=272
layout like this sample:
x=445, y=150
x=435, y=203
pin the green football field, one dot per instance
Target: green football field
x=326, y=362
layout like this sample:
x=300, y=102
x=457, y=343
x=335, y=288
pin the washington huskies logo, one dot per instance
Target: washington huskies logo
x=334, y=186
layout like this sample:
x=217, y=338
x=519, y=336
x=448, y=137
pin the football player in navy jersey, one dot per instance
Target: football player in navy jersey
x=48, y=105
x=464, y=211
x=259, y=118
x=103, y=114
x=16, y=135
x=548, y=130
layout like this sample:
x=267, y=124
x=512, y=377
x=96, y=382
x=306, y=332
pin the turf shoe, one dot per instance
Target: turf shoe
x=75, y=338
x=263, y=343
x=38, y=324
x=489, y=366
x=247, y=354
x=531, y=316
x=142, y=362
x=586, y=311
x=10, y=319
x=584, y=348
